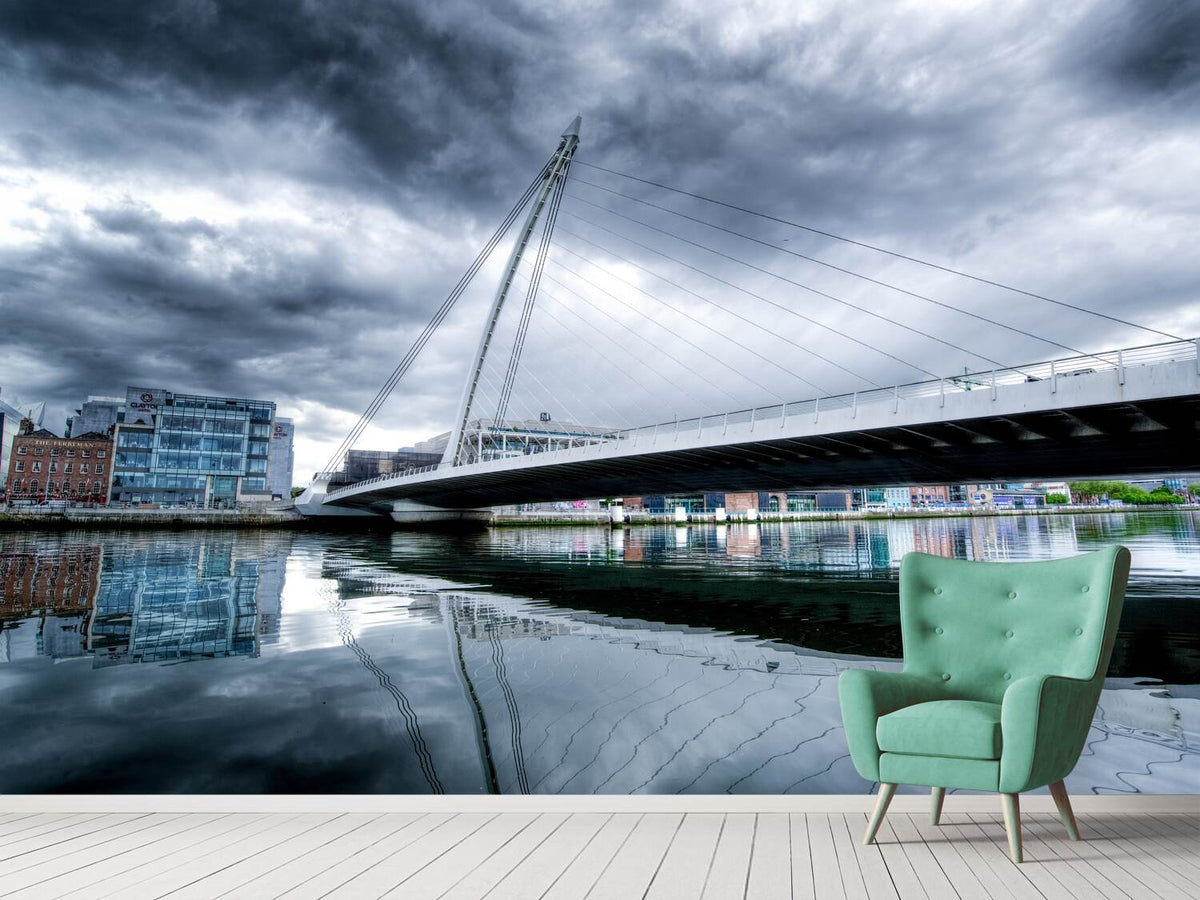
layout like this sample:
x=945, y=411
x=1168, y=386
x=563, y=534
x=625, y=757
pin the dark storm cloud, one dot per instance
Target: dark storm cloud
x=402, y=88
x=351, y=157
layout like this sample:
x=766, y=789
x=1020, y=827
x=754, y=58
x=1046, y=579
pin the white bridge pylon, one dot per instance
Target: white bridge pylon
x=555, y=175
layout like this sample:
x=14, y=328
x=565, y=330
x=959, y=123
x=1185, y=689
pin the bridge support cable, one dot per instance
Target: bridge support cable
x=673, y=334
x=809, y=288
x=514, y=359
x=550, y=178
x=725, y=337
x=640, y=363
x=637, y=335
x=545, y=400
x=580, y=341
x=432, y=325
x=877, y=249
x=765, y=329
x=760, y=297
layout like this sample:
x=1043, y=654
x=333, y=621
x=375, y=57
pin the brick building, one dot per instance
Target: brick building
x=44, y=466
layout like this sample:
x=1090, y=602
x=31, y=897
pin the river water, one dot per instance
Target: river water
x=553, y=660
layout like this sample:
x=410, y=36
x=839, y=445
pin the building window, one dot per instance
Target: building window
x=54, y=451
x=83, y=468
x=70, y=452
x=37, y=451
x=51, y=487
x=69, y=467
x=33, y=486
x=99, y=468
x=86, y=453
x=22, y=450
x=100, y=454
x=20, y=465
x=53, y=466
x=37, y=465
x=82, y=487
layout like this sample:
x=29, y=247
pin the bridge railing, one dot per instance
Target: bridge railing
x=779, y=414
x=1051, y=371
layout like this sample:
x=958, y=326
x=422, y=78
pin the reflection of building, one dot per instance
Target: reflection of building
x=62, y=580
x=177, y=603
x=44, y=466
x=165, y=600
x=483, y=621
x=189, y=450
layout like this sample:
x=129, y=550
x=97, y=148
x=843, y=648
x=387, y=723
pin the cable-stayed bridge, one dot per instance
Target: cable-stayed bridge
x=621, y=300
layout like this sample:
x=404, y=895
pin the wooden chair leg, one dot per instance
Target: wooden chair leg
x=936, y=796
x=1012, y=824
x=886, y=792
x=1058, y=791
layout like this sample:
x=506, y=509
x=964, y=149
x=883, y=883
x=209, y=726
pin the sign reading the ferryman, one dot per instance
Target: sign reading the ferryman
x=141, y=404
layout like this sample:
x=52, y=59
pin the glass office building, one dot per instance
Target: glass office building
x=190, y=450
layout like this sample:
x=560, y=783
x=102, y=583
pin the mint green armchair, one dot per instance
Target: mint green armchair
x=1003, y=665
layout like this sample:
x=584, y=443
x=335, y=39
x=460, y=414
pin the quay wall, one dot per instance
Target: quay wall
x=15, y=518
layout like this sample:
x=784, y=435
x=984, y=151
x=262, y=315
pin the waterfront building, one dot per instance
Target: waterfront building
x=488, y=439
x=364, y=464
x=10, y=427
x=929, y=495
x=281, y=458
x=11, y=417
x=193, y=450
x=97, y=414
x=44, y=466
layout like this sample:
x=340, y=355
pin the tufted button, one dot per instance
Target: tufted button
x=938, y=591
x=945, y=676
x=1086, y=588
x=1008, y=676
x=938, y=629
x=1008, y=634
x=1079, y=631
x=1012, y=595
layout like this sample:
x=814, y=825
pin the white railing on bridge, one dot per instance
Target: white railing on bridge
x=778, y=414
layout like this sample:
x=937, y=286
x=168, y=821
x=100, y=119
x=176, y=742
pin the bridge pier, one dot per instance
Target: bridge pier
x=410, y=512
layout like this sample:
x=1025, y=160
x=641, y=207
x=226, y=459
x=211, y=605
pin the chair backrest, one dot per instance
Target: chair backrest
x=985, y=625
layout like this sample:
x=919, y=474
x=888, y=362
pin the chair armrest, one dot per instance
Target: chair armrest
x=1044, y=720
x=867, y=694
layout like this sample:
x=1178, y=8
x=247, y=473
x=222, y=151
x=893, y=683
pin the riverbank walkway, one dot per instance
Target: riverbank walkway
x=587, y=847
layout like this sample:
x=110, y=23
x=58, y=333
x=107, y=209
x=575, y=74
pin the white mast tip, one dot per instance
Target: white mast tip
x=573, y=128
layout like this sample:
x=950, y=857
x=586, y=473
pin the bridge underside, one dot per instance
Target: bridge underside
x=1115, y=439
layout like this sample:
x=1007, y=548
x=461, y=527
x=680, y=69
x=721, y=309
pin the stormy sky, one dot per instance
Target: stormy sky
x=270, y=199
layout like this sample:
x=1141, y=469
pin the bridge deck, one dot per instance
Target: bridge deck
x=1127, y=412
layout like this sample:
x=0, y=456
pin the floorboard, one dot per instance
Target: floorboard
x=590, y=856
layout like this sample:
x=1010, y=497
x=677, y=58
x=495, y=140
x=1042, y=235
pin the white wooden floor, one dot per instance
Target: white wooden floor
x=594, y=855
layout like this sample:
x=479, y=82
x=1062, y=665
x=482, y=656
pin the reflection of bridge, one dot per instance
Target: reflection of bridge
x=681, y=709
x=1082, y=414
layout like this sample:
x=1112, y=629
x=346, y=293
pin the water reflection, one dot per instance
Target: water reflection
x=652, y=660
x=150, y=601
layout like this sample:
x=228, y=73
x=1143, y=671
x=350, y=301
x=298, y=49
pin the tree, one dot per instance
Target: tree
x=1194, y=489
x=1056, y=499
x=296, y=492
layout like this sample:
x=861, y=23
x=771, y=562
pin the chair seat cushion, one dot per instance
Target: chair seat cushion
x=966, y=729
